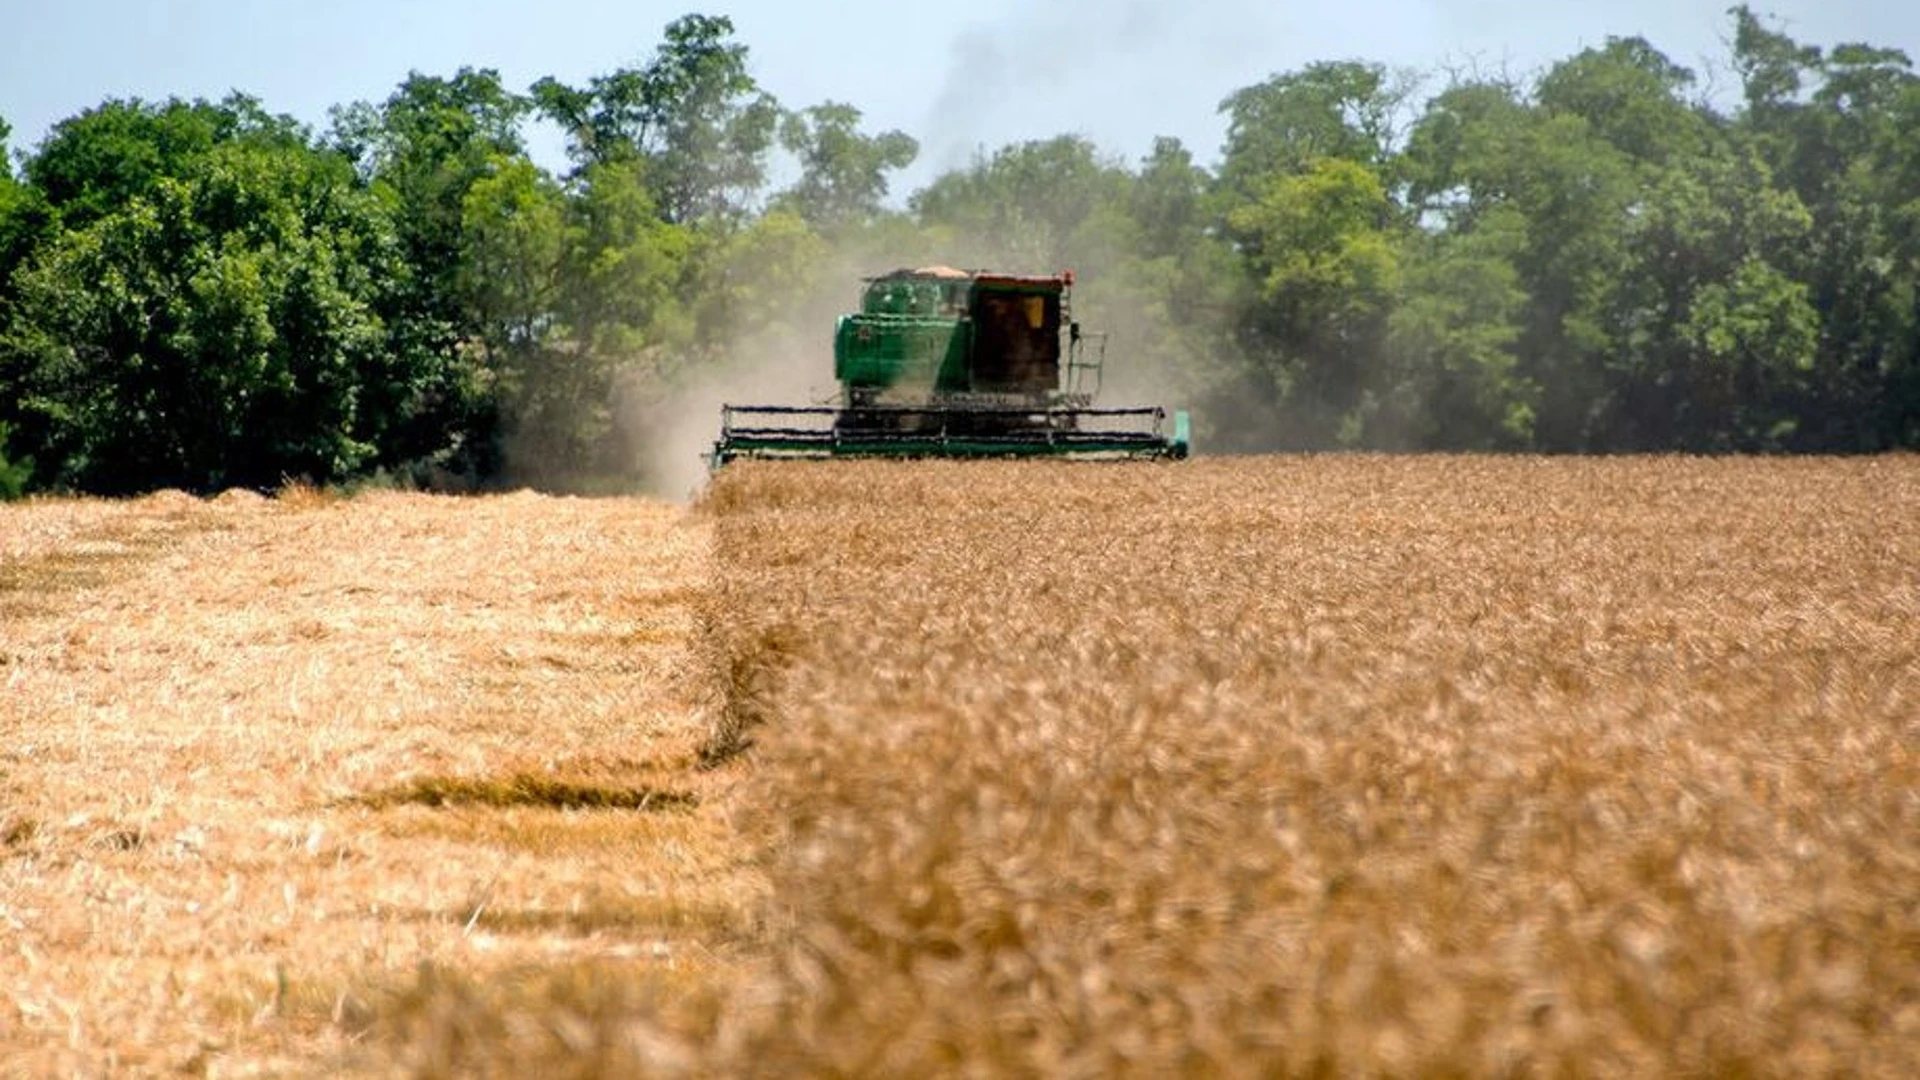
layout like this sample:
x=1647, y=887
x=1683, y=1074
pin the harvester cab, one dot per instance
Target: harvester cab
x=952, y=363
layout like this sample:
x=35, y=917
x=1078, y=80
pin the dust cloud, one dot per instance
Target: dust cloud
x=788, y=361
x=675, y=431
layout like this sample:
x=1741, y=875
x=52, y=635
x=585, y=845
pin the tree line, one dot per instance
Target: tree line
x=1602, y=256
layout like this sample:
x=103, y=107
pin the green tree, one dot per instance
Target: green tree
x=15, y=241
x=1629, y=93
x=9, y=187
x=578, y=289
x=626, y=305
x=94, y=164
x=1346, y=109
x=1031, y=207
x=16, y=218
x=1838, y=129
x=225, y=325
x=1753, y=334
x=751, y=281
x=1167, y=290
x=1685, y=368
x=1455, y=382
x=1167, y=200
x=1469, y=153
x=1305, y=194
x=843, y=173
x=1481, y=150
x=626, y=268
x=1320, y=247
x=693, y=113
x=510, y=274
x=423, y=149
x=15, y=475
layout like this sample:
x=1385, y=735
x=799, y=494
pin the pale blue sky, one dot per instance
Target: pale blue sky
x=958, y=76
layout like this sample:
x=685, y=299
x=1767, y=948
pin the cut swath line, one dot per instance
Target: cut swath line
x=525, y=790
x=90, y=561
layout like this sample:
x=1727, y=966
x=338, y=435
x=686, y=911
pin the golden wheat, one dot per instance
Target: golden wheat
x=1346, y=765
x=272, y=767
x=1335, y=765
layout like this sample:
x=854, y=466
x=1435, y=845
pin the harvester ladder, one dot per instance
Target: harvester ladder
x=1081, y=366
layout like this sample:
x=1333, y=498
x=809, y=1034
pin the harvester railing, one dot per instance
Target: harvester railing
x=778, y=431
x=1086, y=363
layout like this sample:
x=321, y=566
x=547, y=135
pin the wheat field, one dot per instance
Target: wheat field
x=1340, y=766
x=1281, y=766
x=284, y=782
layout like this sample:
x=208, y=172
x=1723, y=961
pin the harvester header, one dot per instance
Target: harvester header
x=940, y=362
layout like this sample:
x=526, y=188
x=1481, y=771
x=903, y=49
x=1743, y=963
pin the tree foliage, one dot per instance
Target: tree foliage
x=224, y=320
x=694, y=114
x=843, y=173
x=1032, y=204
x=1605, y=257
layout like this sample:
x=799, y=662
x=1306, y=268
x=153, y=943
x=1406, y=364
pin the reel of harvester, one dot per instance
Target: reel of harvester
x=951, y=363
x=910, y=431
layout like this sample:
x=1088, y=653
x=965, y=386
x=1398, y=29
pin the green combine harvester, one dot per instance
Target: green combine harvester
x=953, y=363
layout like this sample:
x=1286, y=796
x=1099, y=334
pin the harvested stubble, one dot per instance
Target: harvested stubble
x=1342, y=765
x=310, y=785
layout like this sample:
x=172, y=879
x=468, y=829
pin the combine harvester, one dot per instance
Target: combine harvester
x=953, y=363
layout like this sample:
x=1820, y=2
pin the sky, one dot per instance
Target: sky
x=963, y=78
